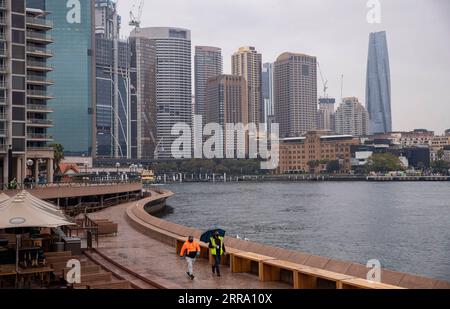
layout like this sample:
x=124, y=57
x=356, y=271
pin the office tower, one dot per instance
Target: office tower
x=24, y=113
x=143, y=97
x=352, y=118
x=267, y=92
x=325, y=116
x=247, y=62
x=113, y=67
x=172, y=47
x=295, y=93
x=227, y=103
x=207, y=64
x=378, y=84
x=74, y=75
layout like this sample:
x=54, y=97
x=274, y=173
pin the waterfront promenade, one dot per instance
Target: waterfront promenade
x=146, y=245
x=158, y=262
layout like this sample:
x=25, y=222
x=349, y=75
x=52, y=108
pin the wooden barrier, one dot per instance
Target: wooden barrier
x=241, y=262
x=358, y=283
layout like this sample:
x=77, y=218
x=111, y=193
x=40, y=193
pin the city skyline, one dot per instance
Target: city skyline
x=275, y=30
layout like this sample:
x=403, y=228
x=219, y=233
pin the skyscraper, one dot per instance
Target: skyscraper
x=208, y=63
x=295, y=92
x=378, y=85
x=227, y=103
x=352, y=118
x=74, y=75
x=325, y=116
x=113, y=67
x=172, y=66
x=267, y=92
x=247, y=62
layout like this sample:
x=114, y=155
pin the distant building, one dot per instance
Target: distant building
x=247, y=62
x=418, y=137
x=378, y=84
x=352, y=118
x=73, y=76
x=171, y=64
x=227, y=103
x=267, y=92
x=326, y=114
x=295, y=93
x=297, y=152
x=207, y=64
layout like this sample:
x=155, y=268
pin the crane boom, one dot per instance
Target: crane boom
x=324, y=81
x=135, y=20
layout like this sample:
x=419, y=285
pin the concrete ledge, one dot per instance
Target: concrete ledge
x=170, y=233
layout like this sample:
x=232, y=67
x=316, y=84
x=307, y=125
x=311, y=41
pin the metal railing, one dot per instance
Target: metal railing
x=39, y=21
x=2, y=4
x=102, y=183
x=39, y=93
x=3, y=84
x=37, y=107
x=39, y=121
x=3, y=116
x=38, y=78
x=3, y=68
x=39, y=136
x=39, y=50
x=39, y=36
x=39, y=64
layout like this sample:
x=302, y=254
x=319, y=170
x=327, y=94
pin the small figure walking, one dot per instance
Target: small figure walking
x=217, y=250
x=191, y=250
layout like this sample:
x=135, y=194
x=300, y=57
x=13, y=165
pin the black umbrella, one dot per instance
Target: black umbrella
x=210, y=233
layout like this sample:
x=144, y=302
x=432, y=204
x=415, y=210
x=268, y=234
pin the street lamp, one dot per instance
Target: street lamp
x=117, y=167
x=85, y=166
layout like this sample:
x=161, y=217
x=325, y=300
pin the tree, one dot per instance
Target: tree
x=384, y=162
x=440, y=154
x=441, y=167
x=58, y=150
x=333, y=167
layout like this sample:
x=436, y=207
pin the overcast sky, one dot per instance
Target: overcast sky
x=336, y=32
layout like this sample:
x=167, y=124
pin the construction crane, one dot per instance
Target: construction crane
x=135, y=19
x=324, y=82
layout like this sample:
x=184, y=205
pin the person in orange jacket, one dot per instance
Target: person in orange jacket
x=191, y=250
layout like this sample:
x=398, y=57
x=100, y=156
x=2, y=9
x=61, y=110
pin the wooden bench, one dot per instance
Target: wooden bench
x=100, y=276
x=272, y=270
x=358, y=283
x=241, y=262
x=120, y=284
x=107, y=228
x=314, y=278
x=57, y=254
x=61, y=259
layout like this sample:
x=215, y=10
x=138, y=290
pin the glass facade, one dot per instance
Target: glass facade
x=378, y=87
x=73, y=88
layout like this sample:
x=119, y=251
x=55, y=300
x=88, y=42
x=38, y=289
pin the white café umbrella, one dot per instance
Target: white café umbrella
x=25, y=210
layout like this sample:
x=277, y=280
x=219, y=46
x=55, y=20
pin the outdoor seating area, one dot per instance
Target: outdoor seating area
x=30, y=240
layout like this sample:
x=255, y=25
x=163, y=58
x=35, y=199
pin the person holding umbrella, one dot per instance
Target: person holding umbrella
x=191, y=250
x=217, y=249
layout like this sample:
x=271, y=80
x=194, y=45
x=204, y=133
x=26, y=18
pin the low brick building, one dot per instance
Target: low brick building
x=320, y=146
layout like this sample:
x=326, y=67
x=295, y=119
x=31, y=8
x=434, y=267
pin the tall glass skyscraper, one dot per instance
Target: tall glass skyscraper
x=378, y=87
x=74, y=74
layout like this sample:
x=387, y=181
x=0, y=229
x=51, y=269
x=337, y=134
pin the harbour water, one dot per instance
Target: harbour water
x=405, y=225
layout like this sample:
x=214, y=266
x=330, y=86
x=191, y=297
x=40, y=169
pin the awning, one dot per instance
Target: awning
x=25, y=210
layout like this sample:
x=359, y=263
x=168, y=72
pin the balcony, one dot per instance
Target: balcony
x=35, y=108
x=39, y=137
x=3, y=116
x=39, y=80
x=3, y=21
x=39, y=37
x=3, y=84
x=3, y=69
x=39, y=94
x=3, y=132
x=45, y=123
x=39, y=66
x=3, y=5
x=2, y=36
x=39, y=52
x=39, y=23
x=3, y=52
x=3, y=100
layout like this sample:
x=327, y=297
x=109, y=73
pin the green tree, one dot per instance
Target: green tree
x=384, y=162
x=441, y=167
x=58, y=150
x=440, y=154
x=333, y=167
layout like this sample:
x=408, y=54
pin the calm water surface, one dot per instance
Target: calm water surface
x=404, y=225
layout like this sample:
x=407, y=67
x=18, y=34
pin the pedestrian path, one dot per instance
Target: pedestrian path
x=149, y=257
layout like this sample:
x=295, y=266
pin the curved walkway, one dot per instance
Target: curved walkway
x=157, y=260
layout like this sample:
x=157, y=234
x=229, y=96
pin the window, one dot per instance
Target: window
x=18, y=83
x=18, y=129
x=18, y=6
x=18, y=114
x=18, y=67
x=18, y=52
x=18, y=36
x=18, y=21
x=18, y=144
x=18, y=98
